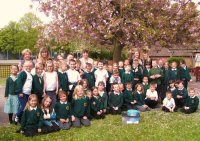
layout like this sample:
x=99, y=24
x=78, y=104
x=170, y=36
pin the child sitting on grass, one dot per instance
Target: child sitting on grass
x=151, y=96
x=115, y=100
x=139, y=97
x=80, y=108
x=63, y=109
x=192, y=102
x=49, y=115
x=32, y=119
x=97, y=105
x=169, y=103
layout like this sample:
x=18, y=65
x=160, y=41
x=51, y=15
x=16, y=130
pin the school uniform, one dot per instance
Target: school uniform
x=146, y=87
x=23, y=86
x=104, y=98
x=185, y=76
x=115, y=100
x=192, y=103
x=174, y=74
x=12, y=104
x=63, y=111
x=146, y=73
x=128, y=97
x=38, y=86
x=96, y=105
x=168, y=103
x=151, y=103
x=73, y=79
x=165, y=81
x=49, y=123
x=51, y=85
x=79, y=108
x=90, y=78
x=121, y=71
x=180, y=102
x=139, y=97
x=32, y=120
x=108, y=84
x=63, y=81
x=128, y=77
x=137, y=72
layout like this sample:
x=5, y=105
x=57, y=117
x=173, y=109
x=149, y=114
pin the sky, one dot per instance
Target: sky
x=13, y=10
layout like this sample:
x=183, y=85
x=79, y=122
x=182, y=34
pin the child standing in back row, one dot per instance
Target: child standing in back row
x=12, y=103
x=51, y=82
x=23, y=88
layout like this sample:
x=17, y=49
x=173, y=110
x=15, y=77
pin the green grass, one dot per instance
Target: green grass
x=2, y=81
x=154, y=126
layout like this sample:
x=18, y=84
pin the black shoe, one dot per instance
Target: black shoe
x=20, y=131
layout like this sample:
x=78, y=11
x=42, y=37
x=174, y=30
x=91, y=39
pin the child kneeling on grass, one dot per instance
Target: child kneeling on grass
x=80, y=108
x=139, y=97
x=63, y=109
x=192, y=102
x=32, y=118
x=97, y=104
x=115, y=100
x=169, y=103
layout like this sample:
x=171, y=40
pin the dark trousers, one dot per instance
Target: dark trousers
x=96, y=116
x=180, y=102
x=22, y=100
x=129, y=106
x=151, y=103
x=189, y=111
x=31, y=131
x=49, y=129
x=165, y=109
x=115, y=112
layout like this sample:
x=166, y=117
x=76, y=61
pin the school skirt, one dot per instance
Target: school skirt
x=12, y=104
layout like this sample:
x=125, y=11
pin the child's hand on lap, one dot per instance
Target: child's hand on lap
x=67, y=120
x=73, y=118
x=39, y=130
x=84, y=117
x=62, y=120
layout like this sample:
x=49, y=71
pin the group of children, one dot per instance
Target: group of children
x=57, y=94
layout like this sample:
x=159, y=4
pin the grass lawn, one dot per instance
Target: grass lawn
x=2, y=81
x=154, y=126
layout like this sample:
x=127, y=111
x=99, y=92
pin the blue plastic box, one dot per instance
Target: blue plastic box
x=131, y=117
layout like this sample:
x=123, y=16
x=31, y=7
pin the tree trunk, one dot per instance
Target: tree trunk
x=117, y=52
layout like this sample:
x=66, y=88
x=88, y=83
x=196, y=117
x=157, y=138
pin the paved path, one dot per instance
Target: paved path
x=4, y=117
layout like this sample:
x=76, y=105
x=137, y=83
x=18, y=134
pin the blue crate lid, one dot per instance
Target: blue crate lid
x=133, y=113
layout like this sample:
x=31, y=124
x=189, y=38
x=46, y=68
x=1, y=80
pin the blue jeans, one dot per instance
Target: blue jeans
x=22, y=100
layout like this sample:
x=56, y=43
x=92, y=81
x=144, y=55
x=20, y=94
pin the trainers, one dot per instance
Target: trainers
x=16, y=120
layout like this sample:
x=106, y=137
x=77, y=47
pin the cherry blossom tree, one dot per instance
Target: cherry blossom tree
x=123, y=23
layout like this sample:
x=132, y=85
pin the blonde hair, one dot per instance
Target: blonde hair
x=26, y=51
x=77, y=88
x=39, y=66
x=32, y=96
x=43, y=49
